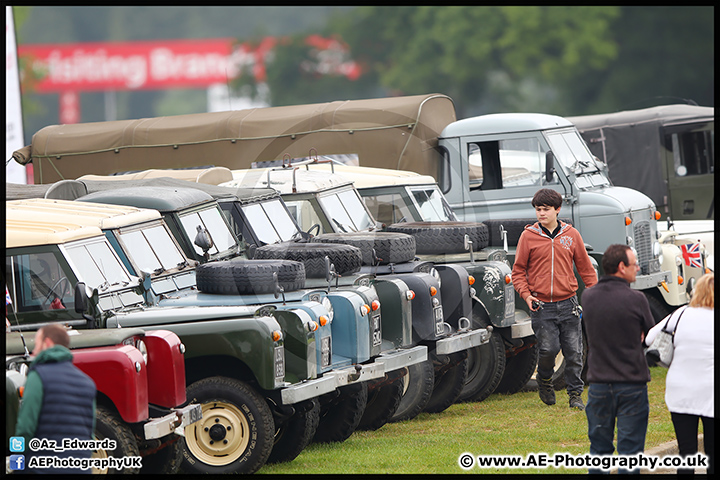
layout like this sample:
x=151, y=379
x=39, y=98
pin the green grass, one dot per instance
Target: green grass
x=516, y=424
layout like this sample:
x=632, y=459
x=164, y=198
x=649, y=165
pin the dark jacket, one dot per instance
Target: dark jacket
x=58, y=403
x=616, y=318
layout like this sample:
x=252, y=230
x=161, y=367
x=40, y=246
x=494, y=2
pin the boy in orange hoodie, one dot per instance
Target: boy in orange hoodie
x=543, y=276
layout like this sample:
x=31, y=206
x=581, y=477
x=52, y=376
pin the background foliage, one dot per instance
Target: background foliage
x=559, y=60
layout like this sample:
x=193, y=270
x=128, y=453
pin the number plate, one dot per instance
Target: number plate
x=279, y=362
x=438, y=314
x=377, y=330
x=325, y=352
x=196, y=414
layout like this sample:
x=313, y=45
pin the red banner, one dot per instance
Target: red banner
x=152, y=65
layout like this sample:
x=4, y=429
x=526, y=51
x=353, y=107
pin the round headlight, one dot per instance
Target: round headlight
x=140, y=345
x=328, y=306
x=657, y=250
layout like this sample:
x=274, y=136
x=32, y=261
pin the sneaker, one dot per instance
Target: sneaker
x=546, y=391
x=576, y=401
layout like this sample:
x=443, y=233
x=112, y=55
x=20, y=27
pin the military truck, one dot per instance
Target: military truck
x=666, y=152
x=234, y=357
x=488, y=167
x=139, y=374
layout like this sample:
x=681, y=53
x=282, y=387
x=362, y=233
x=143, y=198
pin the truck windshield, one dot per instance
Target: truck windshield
x=212, y=220
x=571, y=151
x=346, y=211
x=270, y=221
x=97, y=265
x=152, y=249
x=431, y=204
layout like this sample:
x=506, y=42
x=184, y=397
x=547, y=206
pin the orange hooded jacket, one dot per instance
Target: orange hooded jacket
x=544, y=266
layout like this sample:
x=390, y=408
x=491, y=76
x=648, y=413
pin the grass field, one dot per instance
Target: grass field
x=516, y=424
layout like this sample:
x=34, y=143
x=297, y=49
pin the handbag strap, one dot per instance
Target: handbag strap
x=667, y=324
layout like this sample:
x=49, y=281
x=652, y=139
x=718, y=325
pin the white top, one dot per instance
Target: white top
x=690, y=385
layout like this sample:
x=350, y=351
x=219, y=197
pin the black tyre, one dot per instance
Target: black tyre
x=340, y=416
x=450, y=375
x=443, y=237
x=417, y=389
x=292, y=437
x=167, y=460
x=658, y=308
x=384, y=396
x=235, y=434
x=238, y=276
x=389, y=247
x=109, y=424
x=345, y=258
x=486, y=363
x=518, y=369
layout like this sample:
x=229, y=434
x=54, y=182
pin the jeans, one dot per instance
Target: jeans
x=686, y=431
x=628, y=404
x=557, y=327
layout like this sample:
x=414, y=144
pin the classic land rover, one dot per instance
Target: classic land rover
x=139, y=373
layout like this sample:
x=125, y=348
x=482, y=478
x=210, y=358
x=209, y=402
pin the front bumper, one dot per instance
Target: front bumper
x=308, y=389
x=652, y=280
x=462, y=341
x=523, y=325
x=402, y=357
x=179, y=418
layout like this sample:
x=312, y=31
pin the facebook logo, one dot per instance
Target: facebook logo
x=17, y=462
x=17, y=444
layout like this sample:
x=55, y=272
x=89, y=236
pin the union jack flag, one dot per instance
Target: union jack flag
x=691, y=255
x=8, y=300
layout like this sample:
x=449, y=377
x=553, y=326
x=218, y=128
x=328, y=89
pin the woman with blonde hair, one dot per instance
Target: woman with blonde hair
x=690, y=386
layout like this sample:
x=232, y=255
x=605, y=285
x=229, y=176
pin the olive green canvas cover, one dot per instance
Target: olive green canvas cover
x=394, y=132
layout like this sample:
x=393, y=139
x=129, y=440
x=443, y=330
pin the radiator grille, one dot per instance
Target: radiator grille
x=643, y=245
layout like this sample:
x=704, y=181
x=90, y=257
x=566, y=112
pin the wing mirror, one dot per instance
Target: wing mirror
x=549, y=166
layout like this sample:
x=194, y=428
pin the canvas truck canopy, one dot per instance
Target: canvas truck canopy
x=395, y=132
x=631, y=143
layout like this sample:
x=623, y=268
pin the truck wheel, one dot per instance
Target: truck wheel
x=296, y=434
x=443, y=237
x=486, y=364
x=166, y=460
x=345, y=258
x=417, y=389
x=340, y=417
x=450, y=375
x=658, y=308
x=518, y=370
x=389, y=247
x=238, y=276
x=109, y=424
x=384, y=396
x=235, y=434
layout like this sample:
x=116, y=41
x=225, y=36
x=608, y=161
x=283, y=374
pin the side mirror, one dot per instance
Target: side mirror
x=549, y=166
x=82, y=297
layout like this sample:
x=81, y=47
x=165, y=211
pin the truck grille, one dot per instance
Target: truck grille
x=643, y=245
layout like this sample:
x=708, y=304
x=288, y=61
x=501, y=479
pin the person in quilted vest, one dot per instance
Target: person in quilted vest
x=58, y=401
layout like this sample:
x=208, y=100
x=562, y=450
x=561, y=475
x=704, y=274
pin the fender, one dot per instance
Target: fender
x=115, y=373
